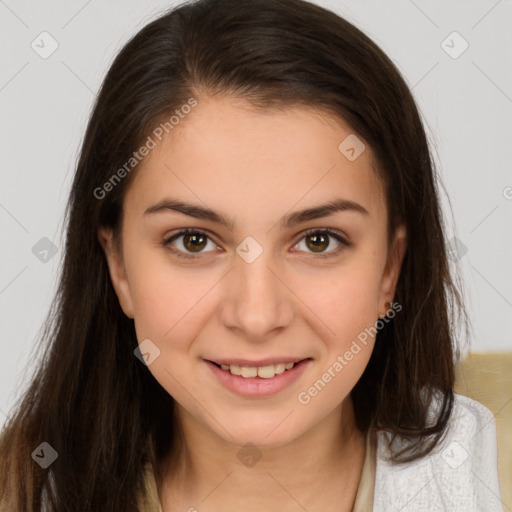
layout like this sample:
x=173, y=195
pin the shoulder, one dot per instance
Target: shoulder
x=460, y=474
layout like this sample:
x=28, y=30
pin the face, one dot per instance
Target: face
x=268, y=284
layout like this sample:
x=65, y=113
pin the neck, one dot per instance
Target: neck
x=322, y=465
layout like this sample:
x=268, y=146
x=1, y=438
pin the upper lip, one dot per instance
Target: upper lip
x=261, y=362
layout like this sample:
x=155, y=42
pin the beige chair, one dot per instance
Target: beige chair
x=487, y=378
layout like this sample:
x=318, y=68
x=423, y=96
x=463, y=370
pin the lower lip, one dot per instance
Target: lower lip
x=257, y=386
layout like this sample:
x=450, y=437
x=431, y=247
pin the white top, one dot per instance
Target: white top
x=461, y=474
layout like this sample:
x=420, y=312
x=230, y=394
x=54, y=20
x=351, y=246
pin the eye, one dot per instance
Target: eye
x=194, y=240
x=318, y=240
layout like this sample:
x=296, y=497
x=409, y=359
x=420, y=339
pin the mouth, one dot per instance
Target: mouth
x=252, y=381
x=262, y=369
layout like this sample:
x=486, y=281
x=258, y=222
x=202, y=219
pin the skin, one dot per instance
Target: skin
x=256, y=167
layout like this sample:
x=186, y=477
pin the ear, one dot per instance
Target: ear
x=393, y=265
x=117, y=270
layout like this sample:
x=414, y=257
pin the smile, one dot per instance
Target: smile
x=258, y=381
x=265, y=372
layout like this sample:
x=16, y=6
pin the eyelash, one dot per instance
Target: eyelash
x=326, y=231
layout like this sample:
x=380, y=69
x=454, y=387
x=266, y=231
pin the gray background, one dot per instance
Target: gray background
x=466, y=103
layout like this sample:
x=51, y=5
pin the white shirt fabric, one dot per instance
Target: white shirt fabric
x=461, y=474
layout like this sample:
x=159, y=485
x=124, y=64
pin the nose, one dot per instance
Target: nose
x=257, y=301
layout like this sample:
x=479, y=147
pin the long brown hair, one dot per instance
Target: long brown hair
x=90, y=399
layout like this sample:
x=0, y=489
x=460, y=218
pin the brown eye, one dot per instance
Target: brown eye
x=317, y=241
x=189, y=243
x=194, y=241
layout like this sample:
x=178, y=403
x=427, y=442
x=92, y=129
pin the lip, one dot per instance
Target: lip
x=262, y=362
x=257, y=386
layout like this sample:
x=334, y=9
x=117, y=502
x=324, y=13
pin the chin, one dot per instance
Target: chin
x=260, y=435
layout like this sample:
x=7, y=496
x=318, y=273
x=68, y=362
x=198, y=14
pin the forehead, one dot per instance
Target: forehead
x=245, y=162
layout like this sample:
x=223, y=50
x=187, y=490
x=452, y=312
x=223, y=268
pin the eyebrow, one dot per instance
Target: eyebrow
x=287, y=221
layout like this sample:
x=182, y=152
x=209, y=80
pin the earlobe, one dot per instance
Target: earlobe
x=117, y=270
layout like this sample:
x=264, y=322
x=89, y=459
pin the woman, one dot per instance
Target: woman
x=255, y=292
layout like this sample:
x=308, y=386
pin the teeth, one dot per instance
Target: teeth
x=248, y=371
x=265, y=372
x=280, y=368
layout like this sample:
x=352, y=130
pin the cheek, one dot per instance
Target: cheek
x=345, y=303
x=345, y=298
x=168, y=301
x=345, y=307
x=169, y=307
